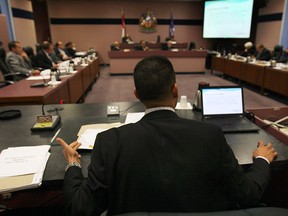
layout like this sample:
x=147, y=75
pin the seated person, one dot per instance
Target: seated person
x=70, y=49
x=141, y=46
x=284, y=56
x=168, y=45
x=249, y=50
x=43, y=58
x=115, y=46
x=263, y=54
x=162, y=163
x=59, y=51
x=18, y=61
x=127, y=39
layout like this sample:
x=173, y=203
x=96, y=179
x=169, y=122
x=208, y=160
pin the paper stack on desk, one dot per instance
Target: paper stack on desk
x=22, y=167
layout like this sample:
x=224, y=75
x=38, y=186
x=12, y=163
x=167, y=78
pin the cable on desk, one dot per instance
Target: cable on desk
x=125, y=110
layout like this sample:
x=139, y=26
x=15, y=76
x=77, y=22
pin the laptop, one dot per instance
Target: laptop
x=224, y=106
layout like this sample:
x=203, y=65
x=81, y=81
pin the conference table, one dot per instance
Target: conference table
x=258, y=73
x=183, y=60
x=71, y=89
x=16, y=132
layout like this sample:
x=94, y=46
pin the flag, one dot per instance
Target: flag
x=171, y=27
x=123, y=27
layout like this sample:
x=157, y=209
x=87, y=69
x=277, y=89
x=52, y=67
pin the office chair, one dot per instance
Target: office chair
x=9, y=76
x=2, y=54
x=192, y=45
x=30, y=53
x=3, y=81
x=277, y=52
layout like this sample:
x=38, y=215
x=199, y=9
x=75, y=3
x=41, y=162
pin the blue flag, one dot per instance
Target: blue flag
x=171, y=28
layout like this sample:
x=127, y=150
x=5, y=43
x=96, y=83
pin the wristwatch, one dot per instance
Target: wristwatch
x=72, y=164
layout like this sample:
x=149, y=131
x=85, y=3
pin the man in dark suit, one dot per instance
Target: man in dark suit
x=162, y=163
x=263, y=54
x=43, y=58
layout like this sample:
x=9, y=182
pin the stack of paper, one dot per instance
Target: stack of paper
x=22, y=167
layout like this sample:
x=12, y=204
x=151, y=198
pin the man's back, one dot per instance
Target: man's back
x=165, y=163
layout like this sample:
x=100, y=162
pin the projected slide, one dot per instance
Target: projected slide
x=227, y=18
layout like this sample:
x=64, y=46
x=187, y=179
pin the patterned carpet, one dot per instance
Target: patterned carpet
x=119, y=88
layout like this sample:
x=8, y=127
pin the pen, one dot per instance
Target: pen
x=55, y=135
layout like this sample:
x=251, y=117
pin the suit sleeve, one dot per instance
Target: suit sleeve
x=243, y=189
x=15, y=67
x=86, y=196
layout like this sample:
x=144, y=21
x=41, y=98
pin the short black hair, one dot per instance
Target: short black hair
x=12, y=44
x=154, y=77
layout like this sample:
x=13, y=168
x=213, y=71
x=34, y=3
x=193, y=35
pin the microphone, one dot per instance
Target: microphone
x=47, y=122
x=41, y=84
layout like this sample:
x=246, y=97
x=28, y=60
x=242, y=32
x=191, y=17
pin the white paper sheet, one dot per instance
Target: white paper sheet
x=22, y=160
x=133, y=117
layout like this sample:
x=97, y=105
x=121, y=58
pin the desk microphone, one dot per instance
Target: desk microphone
x=46, y=122
x=41, y=84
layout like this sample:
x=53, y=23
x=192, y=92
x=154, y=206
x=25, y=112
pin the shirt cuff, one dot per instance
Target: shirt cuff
x=263, y=158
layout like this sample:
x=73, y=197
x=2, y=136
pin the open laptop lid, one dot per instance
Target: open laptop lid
x=222, y=101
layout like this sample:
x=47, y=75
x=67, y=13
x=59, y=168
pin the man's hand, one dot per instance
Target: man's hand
x=35, y=72
x=266, y=151
x=70, y=151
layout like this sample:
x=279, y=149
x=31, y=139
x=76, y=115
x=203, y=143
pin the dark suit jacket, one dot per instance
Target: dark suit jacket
x=163, y=163
x=265, y=55
x=43, y=61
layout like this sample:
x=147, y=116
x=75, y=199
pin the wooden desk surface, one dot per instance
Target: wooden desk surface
x=69, y=90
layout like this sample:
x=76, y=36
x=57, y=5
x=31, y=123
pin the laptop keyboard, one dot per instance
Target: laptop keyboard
x=228, y=121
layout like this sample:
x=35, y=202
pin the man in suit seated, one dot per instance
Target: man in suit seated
x=162, y=163
x=263, y=54
x=249, y=50
x=70, y=49
x=43, y=58
x=141, y=46
x=168, y=45
x=284, y=56
x=59, y=51
x=18, y=61
x=115, y=46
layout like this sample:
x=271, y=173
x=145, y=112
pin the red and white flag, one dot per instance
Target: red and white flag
x=123, y=27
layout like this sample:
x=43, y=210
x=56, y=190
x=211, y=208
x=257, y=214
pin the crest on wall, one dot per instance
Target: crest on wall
x=148, y=22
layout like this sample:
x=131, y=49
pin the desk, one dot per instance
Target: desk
x=70, y=90
x=17, y=132
x=184, y=61
x=265, y=77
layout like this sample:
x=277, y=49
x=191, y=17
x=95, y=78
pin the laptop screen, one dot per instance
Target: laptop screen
x=227, y=100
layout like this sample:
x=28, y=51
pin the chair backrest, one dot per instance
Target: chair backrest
x=192, y=45
x=29, y=51
x=3, y=67
x=2, y=54
x=277, y=52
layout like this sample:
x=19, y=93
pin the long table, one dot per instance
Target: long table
x=184, y=61
x=75, y=115
x=265, y=77
x=70, y=90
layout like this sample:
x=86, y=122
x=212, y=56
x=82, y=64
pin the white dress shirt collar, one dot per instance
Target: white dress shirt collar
x=149, y=110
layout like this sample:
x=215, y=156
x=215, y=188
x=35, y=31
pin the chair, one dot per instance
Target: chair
x=30, y=53
x=277, y=52
x=2, y=54
x=192, y=45
x=3, y=81
x=8, y=76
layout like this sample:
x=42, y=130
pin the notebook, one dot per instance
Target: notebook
x=224, y=106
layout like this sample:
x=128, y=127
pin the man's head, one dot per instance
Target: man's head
x=259, y=47
x=59, y=45
x=15, y=47
x=47, y=46
x=155, y=82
